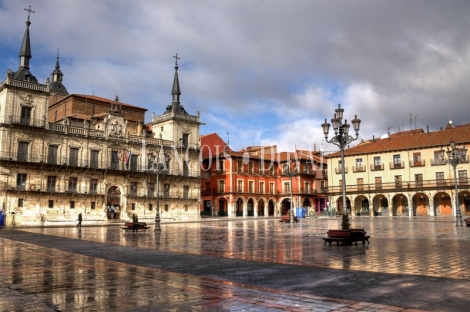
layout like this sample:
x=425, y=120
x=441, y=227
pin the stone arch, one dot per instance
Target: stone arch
x=285, y=206
x=380, y=205
x=239, y=202
x=420, y=204
x=306, y=203
x=113, y=203
x=400, y=205
x=442, y=204
x=221, y=206
x=261, y=206
x=250, y=207
x=271, y=207
x=339, y=204
x=361, y=206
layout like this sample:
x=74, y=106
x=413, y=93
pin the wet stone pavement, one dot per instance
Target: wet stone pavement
x=241, y=264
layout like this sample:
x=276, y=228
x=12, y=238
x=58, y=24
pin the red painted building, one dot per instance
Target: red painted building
x=254, y=182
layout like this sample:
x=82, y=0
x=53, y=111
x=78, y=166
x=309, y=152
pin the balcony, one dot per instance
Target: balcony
x=397, y=165
x=339, y=171
x=376, y=167
x=437, y=162
x=420, y=163
x=359, y=168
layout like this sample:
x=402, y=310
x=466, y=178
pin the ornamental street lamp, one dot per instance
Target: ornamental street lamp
x=288, y=172
x=341, y=139
x=455, y=156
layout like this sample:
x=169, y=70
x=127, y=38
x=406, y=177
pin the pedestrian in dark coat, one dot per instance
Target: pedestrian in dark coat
x=79, y=224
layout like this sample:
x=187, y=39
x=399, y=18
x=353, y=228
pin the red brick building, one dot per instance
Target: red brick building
x=253, y=182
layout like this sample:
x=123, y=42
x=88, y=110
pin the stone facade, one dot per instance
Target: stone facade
x=61, y=155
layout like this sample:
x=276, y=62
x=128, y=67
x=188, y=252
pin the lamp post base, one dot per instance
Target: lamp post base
x=458, y=218
x=157, y=223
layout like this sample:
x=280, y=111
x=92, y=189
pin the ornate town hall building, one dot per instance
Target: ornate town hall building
x=63, y=154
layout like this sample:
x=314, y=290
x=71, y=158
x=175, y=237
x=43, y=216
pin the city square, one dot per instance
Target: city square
x=237, y=264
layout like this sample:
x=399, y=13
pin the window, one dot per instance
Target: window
x=166, y=190
x=114, y=160
x=23, y=151
x=463, y=177
x=134, y=162
x=250, y=167
x=150, y=189
x=93, y=186
x=185, y=207
x=93, y=205
x=150, y=207
x=185, y=139
x=185, y=169
x=72, y=204
x=25, y=115
x=166, y=207
x=50, y=203
x=221, y=165
x=398, y=181
x=396, y=161
x=51, y=181
x=21, y=181
x=149, y=163
x=221, y=186
x=261, y=187
x=419, y=180
x=271, y=188
x=437, y=158
x=20, y=202
x=358, y=162
x=251, y=186
x=440, y=180
x=52, y=155
x=94, y=159
x=322, y=186
x=73, y=157
x=307, y=187
x=417, y=159
x=133, y=206
x=240, y=185
x=73, y=184
x=240, y=165
x=133, y=189
x=286, y=187
x=377, y=161
x=378, y=183
x=186, y=191
x=360, y=184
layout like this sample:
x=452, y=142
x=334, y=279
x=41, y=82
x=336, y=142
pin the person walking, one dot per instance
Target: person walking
x=79, y=224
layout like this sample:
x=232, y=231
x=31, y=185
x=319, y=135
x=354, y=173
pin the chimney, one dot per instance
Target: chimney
x=427, y=128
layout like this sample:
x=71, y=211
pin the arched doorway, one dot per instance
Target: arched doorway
x=222, y=207
x=380, y=205
x=113, y=204
x=442, y=204
x=361, y=206
x=400, y=205
x=239, y=208
x=250, y=208
x=339, y=205
x=271, y=208
x=285, y=206
x=420, y=204
x=260, y=208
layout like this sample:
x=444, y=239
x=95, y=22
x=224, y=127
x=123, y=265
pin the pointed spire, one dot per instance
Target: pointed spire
x=25, y=51
x=57, y=76
x=176, y=92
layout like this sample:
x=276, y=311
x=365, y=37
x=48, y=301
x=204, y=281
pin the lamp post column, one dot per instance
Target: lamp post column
x=291, y=199
x=157, y=216
x=343, y=176
x=458, y=214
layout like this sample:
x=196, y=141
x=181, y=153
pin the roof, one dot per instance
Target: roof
x=413, y=139
x=100, y=99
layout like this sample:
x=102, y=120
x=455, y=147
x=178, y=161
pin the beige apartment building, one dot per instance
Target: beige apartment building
x=402, y=174
x=63, y=154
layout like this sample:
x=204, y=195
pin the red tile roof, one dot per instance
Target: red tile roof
x=413, y=139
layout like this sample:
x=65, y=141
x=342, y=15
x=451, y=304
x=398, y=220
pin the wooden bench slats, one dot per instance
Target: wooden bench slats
x=135, y=227
x=346, y=236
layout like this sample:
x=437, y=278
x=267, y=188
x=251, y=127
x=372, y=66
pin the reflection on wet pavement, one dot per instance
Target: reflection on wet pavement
x=35, y=278
x=430, y=248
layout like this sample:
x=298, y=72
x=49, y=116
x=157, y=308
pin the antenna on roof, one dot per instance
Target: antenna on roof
x=228, y=138
x=410, y=123
x=415, y=121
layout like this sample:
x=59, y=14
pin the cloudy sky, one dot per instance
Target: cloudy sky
x=265, y=72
